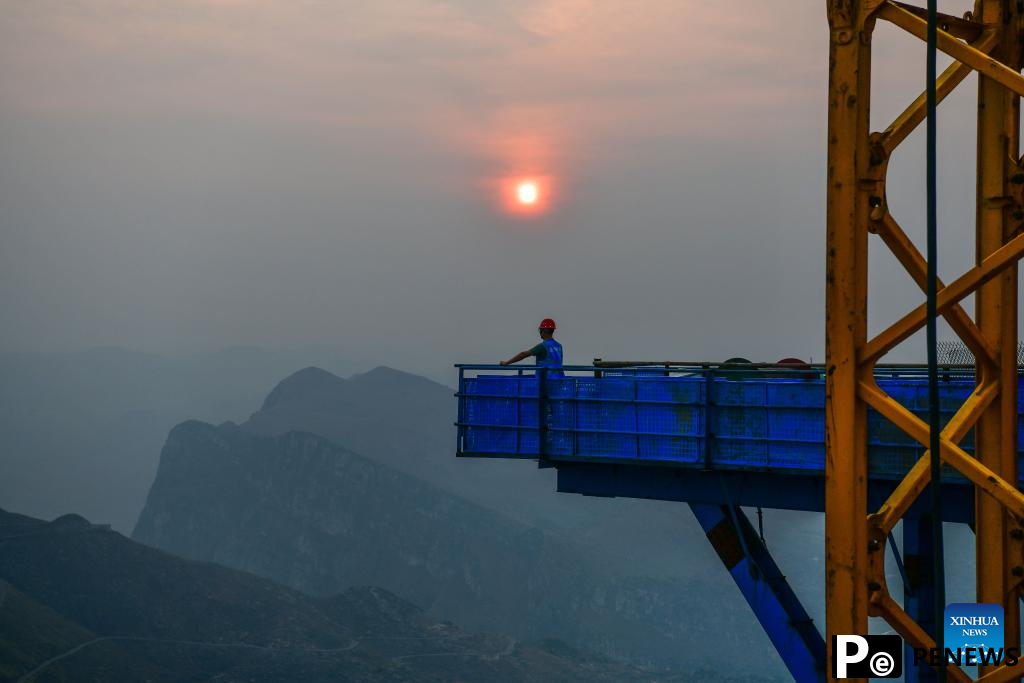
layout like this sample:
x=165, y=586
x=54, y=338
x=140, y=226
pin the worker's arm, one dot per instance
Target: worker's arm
x=518, y=357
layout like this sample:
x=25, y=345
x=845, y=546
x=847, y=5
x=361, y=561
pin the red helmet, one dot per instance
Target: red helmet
x=546, y=324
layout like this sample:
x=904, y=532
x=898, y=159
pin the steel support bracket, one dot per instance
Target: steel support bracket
x=766, y=590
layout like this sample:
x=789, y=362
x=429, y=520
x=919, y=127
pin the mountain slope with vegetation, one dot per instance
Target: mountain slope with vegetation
x=81, y=602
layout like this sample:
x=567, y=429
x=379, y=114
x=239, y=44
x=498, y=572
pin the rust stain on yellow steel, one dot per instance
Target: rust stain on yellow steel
x=995, y=312
x=846, y=325
x=967, y=29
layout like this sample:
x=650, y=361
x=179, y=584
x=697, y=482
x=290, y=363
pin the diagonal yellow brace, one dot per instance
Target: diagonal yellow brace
x=977, y=60
x=965, y=29
x=916, y=265
x=901, y=622
x=983, y=478
x=997, y=261
x=914, y=483
x=1004, y=674
x=913, y=115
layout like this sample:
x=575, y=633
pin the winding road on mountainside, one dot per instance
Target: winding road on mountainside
x=509, y=648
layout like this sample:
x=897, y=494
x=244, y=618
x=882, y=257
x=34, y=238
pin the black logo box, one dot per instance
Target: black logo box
x=882, y=651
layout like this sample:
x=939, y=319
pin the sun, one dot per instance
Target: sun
x=527, y=193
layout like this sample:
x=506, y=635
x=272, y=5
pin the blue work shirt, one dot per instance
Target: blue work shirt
x=549, y=355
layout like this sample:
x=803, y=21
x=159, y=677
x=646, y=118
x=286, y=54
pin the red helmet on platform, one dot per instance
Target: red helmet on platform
x=546, y=324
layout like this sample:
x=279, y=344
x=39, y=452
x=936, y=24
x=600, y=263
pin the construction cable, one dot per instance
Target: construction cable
x=939, y=576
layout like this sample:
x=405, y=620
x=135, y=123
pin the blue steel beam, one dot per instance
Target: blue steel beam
x=770, y=597
x=747, y=487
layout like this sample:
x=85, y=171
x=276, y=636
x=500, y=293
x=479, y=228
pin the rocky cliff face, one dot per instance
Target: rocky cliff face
x=317, y=517
x=321, y=518
x=405, y=422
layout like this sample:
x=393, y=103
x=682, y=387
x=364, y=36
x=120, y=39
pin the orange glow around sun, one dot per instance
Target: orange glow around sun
x=525, y=163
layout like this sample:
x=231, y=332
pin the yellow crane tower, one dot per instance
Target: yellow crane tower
x=986, y=39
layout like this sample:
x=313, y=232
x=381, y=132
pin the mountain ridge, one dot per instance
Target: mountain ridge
x=128, y=612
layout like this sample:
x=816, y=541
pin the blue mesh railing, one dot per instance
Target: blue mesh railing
x=708, y=417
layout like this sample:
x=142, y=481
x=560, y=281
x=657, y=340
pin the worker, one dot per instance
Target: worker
x=548, y=353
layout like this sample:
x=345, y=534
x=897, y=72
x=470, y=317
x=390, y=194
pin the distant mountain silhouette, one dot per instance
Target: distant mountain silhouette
x=300, y=509
x=71, y=424
x=313, y=389
x=80, y=602
x=406, y=422
x=387, y=415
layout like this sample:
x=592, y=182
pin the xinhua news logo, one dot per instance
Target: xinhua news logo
x=976, y=630
x=867, y=656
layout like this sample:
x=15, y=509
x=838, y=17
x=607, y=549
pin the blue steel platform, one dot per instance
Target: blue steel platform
x=718, y=439
x=761, y=431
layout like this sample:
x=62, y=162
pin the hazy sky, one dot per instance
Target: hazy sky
x=189, y=175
